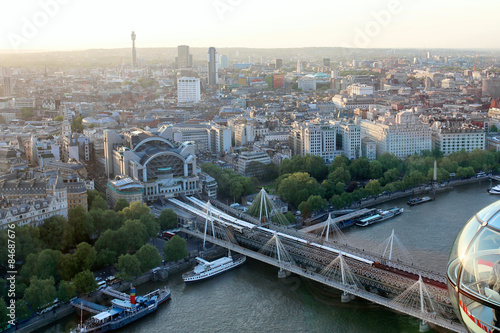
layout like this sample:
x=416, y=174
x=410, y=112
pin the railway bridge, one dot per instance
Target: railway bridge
x=399, y=286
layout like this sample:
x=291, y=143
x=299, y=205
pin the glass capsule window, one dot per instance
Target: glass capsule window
x=474, y=271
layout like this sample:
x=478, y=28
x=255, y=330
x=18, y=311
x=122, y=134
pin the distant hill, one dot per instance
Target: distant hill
x=166, y=56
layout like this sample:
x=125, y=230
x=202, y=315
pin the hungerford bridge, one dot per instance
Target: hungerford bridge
x=329, y=260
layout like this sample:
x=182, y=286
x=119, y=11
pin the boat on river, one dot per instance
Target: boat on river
x=207, y=269
x=121, y=312
x=494, y=190
x=418, y=201
x=381, y=215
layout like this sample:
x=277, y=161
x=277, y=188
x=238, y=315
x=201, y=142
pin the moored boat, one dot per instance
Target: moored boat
x=494, y=190
x=418, y=201
x=381, y=215
x=207, y=269
x=122, y=311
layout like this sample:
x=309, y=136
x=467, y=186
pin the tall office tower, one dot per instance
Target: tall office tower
x=326, y=62
x=224, y=61
x=212, y=66
x=134, y=58
x=7, y=89
x=278, y=63
x=184, y=59
x=299, y=66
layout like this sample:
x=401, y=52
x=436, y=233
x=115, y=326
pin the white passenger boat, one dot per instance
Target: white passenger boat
x=207, y=269
x=494, y=190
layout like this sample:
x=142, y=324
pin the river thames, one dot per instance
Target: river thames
x=253, y=299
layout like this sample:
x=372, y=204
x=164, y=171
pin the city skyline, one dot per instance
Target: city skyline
x=69, y=25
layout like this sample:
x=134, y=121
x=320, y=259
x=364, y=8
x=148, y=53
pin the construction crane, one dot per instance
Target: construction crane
x=475, y=63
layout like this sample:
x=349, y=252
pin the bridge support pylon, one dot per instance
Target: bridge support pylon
x=345, y=297
x=283, y=273
x=423, y=327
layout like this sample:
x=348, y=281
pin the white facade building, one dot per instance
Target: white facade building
x=243, y=134
x=307, y=83
x=361, y=89
x=188, y=90
x=326, y=140
x=370, y=150
x=407, y=136
x=246, y=158
x=220, y=139
x=452, y=139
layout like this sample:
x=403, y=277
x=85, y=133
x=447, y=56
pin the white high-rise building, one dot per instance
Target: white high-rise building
x=243, y=134
x=188, y=90
x=407, y=136
x=299, y=66
x=326, y=140
x=220, y=139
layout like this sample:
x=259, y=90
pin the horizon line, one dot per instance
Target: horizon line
x=11, y=51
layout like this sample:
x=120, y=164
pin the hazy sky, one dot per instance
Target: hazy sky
x=79, y=24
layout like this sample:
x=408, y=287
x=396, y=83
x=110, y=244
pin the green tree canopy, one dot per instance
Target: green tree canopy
x=316, y=202
x=66, y=291
x=27, y=241
x=297, y=187
x=304, y=209
x=85, y=256
x=84, y=282
x=4, y=320
x=148, y=257
x=128, y=267
x=373, y=187
x=41, y=292
x=92, y=194
x=312, y=164
x=103, y=220
x=289, y=216
x=106, y=257
x=340, y=175
x=136, y=235
x=59, y=118
x=167, y=219
x=337, y=201
x=151, y=224
x=121, y=204
x=231, y=185
x=99, y=203
x=113, y=240
x=22, y=310
x=175, y=249
x=83, y=229
x=52, y=231
x=376, y=170
x=27, y=113
x=77, y=125
x=68, y=267
x=339, y=161
x=135, y=210
x=360, y=168
x=43, y=265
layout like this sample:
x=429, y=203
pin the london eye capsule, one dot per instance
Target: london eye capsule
x=474, y=271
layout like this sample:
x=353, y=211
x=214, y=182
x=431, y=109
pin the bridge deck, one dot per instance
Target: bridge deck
x=88, y=306
x=342, y=218
x=430, y=318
